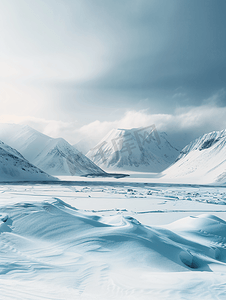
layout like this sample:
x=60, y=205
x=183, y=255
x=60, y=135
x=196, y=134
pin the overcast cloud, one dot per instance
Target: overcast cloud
x=66, y=64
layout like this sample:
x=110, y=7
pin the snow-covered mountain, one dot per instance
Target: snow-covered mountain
x=139, y=149
x=84, y=145
x=14, y=167
x=201, y=161
x=60, y=158
x=10, y=150
x=54, y=156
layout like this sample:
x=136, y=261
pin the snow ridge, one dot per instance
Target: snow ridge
x=203, y=159
x=14, y=167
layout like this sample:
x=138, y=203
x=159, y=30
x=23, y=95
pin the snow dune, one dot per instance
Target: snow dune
x=52, y=250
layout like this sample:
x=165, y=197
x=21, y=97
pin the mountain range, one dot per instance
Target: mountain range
x=26, y=154
x=54, y=156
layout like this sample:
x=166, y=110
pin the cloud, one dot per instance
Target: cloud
x=178, y=44
x=183, y=126
x=22, y=99
x=54, y=40
x=53, y=128
x=80, y=60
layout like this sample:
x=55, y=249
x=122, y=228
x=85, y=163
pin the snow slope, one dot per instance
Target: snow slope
x=139, y=149
x=60, y=158
x=201, y=161
x=10, y=150
x=51, y=250
x=54, y=156
x=13, y=167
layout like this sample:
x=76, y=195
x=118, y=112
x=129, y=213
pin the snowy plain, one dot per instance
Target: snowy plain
x=88, y=238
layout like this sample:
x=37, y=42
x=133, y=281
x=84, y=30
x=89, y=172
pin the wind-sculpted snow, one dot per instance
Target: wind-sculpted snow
x=51, y=250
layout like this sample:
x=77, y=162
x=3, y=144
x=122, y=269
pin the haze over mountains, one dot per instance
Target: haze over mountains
x=201, y=161
x=138, y=149
x=54, y=156
x=84, y=145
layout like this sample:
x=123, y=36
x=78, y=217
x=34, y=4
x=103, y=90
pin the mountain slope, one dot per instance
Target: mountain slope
x=13, y=167
x=202, y=161
x=139, y=149
x=54, y=156
x=10, y=150
x=60, y=158
x=25, y=139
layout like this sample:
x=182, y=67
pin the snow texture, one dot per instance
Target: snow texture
x=49, y=249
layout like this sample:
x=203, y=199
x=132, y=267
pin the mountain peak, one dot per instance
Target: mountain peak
x=54, y=156
x=134, y=149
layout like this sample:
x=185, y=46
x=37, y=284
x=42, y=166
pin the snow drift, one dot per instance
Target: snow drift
x=54, y=249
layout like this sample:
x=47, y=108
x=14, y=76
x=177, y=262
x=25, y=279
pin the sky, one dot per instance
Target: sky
x=78, y=68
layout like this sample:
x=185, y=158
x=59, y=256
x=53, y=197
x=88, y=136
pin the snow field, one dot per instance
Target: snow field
x=67, y=241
